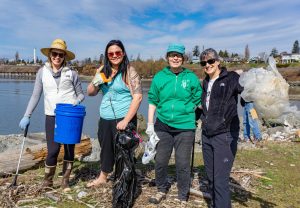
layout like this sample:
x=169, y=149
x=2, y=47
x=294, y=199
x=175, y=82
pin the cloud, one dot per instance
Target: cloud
x=183, y=25
x=147, y=27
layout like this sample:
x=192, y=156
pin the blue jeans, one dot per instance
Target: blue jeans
x=250, y=123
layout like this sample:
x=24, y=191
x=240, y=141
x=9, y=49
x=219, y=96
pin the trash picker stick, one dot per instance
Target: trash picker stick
x=14, y=183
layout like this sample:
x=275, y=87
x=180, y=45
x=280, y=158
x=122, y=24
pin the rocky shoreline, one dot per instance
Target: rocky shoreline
x=277, y=133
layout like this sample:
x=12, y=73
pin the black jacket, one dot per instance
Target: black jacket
x=222, y=115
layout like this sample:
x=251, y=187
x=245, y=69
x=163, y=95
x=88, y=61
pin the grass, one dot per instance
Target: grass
x=280, y=162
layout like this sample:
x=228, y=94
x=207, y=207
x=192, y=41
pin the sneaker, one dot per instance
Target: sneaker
x=159, y=196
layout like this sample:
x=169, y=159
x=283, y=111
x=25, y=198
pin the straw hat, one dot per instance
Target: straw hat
x=61, y=45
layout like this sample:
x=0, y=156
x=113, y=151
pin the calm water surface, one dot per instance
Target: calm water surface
x=15, y=94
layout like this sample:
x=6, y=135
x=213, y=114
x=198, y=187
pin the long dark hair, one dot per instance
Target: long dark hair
x=123, y=65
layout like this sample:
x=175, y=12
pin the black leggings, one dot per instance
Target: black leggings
x=53, y=147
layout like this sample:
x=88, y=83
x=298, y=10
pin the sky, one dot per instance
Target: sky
x=146, y=27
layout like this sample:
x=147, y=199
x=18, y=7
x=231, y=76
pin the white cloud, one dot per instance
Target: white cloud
x=182, y=25
x=88, y=25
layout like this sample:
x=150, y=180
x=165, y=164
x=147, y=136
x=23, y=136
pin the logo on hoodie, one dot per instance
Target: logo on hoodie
x=185, y=83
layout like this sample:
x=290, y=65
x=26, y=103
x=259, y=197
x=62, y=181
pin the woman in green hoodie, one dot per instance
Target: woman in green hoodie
x=174, y=94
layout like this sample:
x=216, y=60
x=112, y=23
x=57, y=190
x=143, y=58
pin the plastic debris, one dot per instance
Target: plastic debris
x=269, y=92
x=150, y=149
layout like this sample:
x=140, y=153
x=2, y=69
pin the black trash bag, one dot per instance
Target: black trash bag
x=125, y=184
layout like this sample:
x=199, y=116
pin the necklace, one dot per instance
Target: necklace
x=113, y=72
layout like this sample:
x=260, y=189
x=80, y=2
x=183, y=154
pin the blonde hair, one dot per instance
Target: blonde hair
x=63, y=64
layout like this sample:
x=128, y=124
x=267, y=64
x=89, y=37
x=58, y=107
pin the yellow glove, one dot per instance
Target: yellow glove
x=105, y=80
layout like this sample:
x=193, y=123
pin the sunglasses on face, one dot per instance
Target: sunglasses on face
x=55, y=54
x=209, y=61
x=173, y=55
x=117, y=54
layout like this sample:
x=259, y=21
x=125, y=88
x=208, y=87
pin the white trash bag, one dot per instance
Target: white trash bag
x=268, y=91
x=150, y=149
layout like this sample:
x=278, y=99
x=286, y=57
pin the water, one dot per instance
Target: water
x=15, y=94
x=14, y=97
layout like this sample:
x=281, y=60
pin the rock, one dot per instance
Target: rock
x=265, y=136
x=275, y=130
x=95, y=154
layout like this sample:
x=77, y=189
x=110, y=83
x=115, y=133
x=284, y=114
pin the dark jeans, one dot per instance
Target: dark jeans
x=53, y=147
x=218, y=154
x=182, y=143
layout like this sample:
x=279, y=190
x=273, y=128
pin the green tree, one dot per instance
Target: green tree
x=226, y=54
x=196, y=51
x=221, y=53
x=296, y=48
x=274, y=52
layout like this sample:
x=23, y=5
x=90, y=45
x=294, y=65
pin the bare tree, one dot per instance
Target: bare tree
x=101, y=59
x=247, y=52
x=189, y=57
x=17, y=58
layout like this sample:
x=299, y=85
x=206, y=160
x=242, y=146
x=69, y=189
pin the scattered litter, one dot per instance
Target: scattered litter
x=82, y=194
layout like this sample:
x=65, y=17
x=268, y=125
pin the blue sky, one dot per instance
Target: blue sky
x=146, y=27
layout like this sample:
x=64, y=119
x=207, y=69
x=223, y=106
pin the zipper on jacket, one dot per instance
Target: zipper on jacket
x=175, y=86
x=174, y=97
x=172, y=111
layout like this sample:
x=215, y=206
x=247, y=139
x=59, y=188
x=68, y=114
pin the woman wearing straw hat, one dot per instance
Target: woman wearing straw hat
x=60, y=84
x=122, y=95
x=174, y=94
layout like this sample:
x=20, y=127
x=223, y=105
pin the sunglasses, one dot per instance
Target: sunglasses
x=117, y=54
x=55, y=54
x=172, y=55
x=209, y=61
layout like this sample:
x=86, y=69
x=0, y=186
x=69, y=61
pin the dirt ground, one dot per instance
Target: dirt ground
x=264, y=175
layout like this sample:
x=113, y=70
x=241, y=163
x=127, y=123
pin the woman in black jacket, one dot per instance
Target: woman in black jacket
x=220, y=125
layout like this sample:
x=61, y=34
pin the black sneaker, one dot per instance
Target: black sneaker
x=159, y=196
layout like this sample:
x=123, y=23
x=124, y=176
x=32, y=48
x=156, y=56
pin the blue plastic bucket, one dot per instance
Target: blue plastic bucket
x=68, y=123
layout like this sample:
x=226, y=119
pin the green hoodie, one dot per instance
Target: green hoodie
x=176, y=97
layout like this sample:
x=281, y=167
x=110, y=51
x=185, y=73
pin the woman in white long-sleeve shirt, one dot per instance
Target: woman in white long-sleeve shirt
x=60, y=84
